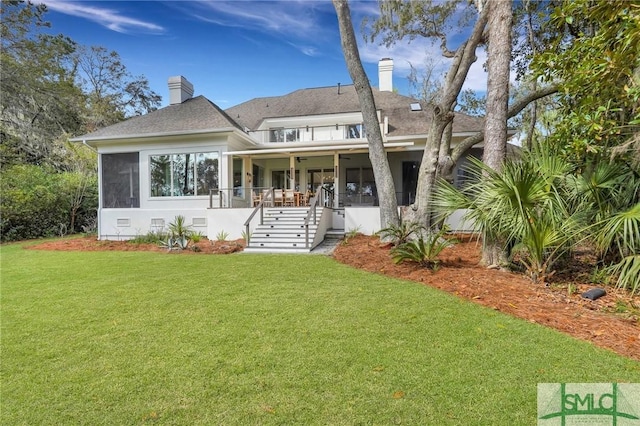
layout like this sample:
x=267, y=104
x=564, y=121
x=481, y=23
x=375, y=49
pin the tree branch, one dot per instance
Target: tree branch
x=513, y=110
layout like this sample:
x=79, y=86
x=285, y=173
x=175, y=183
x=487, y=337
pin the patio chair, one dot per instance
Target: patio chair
x=278, y=197
x=266, y=196
x=304, y=198
x=289, y=197
x=256, y=198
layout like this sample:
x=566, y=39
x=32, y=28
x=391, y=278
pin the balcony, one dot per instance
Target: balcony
x=337, y=132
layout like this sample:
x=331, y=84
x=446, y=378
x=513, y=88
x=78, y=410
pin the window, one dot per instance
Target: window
x=282, y=179
x=278, y=179
x=120, y=180
x=355, y=131
x=237, y=177
x=180, y=175
x=284, y=135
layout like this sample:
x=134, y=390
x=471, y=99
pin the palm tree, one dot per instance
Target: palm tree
x=523, y=206
x=540, y=206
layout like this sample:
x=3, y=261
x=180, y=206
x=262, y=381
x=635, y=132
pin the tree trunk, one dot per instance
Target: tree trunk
x=377, y=155
x=463, y=58
x=498, y=61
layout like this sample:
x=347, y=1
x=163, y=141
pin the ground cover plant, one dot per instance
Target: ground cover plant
x=137, y=337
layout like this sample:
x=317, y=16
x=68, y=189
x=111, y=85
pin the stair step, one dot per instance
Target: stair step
x=275, y=250
x=283, y=230
x=281, y=235
x=278, y=244
x=287, y=238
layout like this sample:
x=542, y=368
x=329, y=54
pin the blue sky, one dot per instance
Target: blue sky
x=233, y=51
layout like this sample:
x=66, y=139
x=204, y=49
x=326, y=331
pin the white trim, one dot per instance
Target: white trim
x=311, y=149
x=127, y=138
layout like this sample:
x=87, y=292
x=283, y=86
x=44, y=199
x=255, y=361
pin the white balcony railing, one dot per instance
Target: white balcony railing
x=310, y=133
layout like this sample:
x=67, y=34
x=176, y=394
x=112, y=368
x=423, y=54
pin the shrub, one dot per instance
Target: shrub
x=400, y=234
x=38, y=202
x=423, y=250
x=196, y=237
x=151, y=237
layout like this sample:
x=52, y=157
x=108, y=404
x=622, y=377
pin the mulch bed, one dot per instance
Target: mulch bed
x=611, y=321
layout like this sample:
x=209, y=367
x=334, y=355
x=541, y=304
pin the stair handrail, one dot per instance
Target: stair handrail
x=329, y=197
x=269, y=196
x=313, y=203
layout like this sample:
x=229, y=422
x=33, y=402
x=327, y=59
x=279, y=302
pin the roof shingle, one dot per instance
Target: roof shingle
x=328, y=100
x=192, y=115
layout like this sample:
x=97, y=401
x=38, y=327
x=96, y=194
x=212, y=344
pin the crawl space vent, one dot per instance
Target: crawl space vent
x=123, y=222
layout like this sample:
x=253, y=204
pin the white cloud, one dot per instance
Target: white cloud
x=417, y=54
x=109, y=18
x=298, y=19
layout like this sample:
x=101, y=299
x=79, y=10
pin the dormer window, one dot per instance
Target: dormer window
x=284, y=135
x=355, y=131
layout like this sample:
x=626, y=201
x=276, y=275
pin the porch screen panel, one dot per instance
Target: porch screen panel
x=368, y=182
x=353, y=182
x=360, y=185
x=121, y=180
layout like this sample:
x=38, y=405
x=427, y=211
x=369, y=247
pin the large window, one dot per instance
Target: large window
x=284, y=135
x=120, y=180
x=179, y=175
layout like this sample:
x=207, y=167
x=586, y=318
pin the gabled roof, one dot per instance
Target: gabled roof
x=330, y=100
x=192, y=116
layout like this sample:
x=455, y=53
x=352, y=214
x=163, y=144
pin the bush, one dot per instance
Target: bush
x=38, y=202
x=423, y=250
x=402, y=233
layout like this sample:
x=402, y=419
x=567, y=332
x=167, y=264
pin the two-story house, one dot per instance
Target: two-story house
x=194, y=159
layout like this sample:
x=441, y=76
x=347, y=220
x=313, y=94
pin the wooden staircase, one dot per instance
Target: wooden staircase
x=283, y=231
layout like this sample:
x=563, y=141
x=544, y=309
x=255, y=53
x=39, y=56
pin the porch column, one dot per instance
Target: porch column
x=336, y=179
x=249, y=178
x=292, y=171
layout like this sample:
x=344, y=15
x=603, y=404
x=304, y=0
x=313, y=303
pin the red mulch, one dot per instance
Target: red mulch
x=91, y=244
x=460, y=273
x=610, y=322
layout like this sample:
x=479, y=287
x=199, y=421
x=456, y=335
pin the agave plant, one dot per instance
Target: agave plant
x=179, y=234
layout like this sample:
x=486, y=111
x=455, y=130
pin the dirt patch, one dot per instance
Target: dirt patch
x=610, y=322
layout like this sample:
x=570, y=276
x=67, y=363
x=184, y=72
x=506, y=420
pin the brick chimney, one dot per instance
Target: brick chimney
x=179, y=90
x=385, y=75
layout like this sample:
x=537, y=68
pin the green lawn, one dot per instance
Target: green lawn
x=111, y=338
